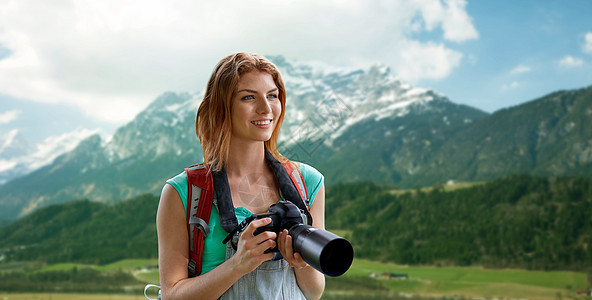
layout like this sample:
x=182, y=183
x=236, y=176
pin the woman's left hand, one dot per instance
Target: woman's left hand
x=284, y=243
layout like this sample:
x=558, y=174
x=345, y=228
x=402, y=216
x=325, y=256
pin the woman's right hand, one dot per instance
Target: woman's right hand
x=251, y=248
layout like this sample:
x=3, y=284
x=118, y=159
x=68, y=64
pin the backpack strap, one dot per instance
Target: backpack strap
x=298, y=181
x=199, y=207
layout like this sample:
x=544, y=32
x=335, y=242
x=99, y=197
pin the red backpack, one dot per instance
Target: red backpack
x=201, y=197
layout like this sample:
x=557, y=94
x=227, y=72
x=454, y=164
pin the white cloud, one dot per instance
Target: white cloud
x=9, y=116
x=588, y=42
x=512, y=85
x=111, y=57
x=452, y=17
x=570, y=62
x=426, y=61
x=519, y=69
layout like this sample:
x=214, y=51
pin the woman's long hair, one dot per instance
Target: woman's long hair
x=213, y=122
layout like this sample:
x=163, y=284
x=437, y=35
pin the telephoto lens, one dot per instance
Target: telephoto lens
x=329, y=253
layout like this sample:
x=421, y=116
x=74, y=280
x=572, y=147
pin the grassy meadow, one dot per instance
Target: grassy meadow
x=357, y=283
x=56, y=296
x=474, y=282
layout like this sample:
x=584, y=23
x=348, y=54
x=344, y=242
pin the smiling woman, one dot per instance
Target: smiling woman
x=238, y=124
x=255, y=108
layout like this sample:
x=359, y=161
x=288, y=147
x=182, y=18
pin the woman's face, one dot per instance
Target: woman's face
x=255, y=107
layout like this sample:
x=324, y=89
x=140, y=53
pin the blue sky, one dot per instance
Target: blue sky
x=69, y=64
x=523, y=52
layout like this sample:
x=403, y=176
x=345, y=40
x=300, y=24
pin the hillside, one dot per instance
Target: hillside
x=85, y=232
x=549, y=136
x=518, y=221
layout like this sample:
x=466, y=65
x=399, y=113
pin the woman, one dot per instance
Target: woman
x=239, y=120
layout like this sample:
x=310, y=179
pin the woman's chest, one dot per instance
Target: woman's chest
x=256, y=192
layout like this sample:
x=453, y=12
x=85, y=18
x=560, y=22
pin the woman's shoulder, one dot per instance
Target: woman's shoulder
x=312, y=177
x=179, y=179
x=313, y=180
x=308, y=171
x=179, y=182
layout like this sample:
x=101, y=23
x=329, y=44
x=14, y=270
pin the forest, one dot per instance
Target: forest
x=517, y=221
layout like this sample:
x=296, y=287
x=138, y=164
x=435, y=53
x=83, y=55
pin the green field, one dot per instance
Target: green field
x=473, y=281
x=357, y=283
x=56, y=296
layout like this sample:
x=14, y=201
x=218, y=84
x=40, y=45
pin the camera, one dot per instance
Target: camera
x=327, y=252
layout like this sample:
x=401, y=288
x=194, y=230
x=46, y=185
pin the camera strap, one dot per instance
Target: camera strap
x=240, y=227
x=291, y=189
x=228, y=219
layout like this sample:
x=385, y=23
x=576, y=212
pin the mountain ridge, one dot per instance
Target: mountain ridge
x=19, y=157
x=407, y=136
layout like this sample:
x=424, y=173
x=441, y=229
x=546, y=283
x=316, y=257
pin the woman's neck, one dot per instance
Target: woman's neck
x=245, y=158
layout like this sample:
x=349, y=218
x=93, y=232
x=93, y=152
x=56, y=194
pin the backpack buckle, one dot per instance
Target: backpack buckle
x=192, y=268
x=200, y=224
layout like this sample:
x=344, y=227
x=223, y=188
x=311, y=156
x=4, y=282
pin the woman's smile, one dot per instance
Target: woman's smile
x=266, y=123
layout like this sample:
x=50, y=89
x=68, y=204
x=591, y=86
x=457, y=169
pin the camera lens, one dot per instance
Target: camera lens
x=327, y=252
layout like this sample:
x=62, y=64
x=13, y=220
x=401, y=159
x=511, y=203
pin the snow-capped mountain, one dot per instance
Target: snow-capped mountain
x=324, y=104
x=351, y=124
x=13, y=145
x=333, y=99
x=18, y=157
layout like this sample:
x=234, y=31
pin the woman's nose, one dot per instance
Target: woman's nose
x=263, y=106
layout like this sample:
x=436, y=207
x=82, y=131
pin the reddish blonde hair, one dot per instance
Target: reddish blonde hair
x=213, y=122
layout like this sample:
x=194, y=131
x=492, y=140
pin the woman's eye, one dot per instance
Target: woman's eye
x=248, y=97
x=272, y=96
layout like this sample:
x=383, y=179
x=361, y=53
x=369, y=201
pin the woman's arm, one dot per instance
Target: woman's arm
x=173, y=254
x=310, y=281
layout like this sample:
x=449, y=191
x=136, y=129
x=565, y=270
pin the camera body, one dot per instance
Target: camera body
x=283, y=215
x=330, y=254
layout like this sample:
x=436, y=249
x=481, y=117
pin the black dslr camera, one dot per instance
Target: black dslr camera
x=330, y=254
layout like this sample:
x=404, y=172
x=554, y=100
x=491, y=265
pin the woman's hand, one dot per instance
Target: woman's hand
x=251, y=248
x=285, y=246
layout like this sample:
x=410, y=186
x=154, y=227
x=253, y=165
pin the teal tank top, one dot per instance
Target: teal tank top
x=214, y=251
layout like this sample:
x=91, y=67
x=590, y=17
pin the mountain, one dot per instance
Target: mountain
x=548, y=136
x=13, y=146
x=325, y=106
x=19, y=157
x=433, y=140
x=351, y=124
x=398, y=148
x=349, y=113
x=157, y=144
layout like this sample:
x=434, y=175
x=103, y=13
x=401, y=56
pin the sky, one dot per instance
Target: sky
x=91, y=66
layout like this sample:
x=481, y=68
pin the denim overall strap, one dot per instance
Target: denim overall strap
x=271, y=280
